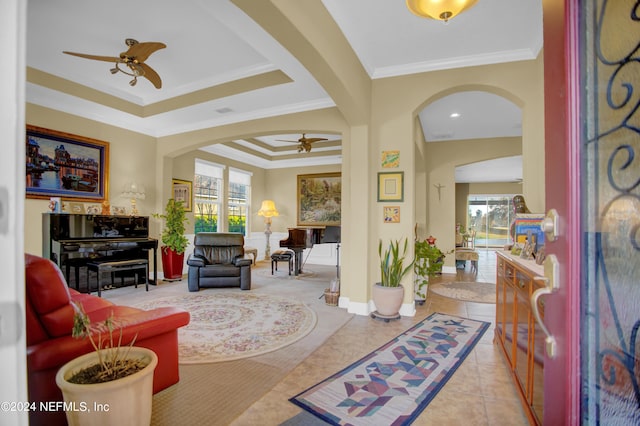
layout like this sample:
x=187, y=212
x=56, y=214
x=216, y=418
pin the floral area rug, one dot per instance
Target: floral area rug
x=468, y=291
x=228, y=326
x=395, y=383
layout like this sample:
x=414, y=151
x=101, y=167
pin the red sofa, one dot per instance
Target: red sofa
x=49, y=321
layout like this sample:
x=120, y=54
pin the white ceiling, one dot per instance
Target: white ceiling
x=211, y=44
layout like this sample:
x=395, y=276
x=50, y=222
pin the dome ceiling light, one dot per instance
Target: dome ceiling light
x=441, y=10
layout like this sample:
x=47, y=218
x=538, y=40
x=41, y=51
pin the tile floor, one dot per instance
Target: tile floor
x=479, y=393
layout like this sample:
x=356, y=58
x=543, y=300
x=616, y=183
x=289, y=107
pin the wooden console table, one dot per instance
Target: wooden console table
x=517, y=334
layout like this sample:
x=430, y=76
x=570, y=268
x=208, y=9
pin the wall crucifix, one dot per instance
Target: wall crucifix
x=439, y=187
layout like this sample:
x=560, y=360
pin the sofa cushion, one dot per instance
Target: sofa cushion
x=45, y=285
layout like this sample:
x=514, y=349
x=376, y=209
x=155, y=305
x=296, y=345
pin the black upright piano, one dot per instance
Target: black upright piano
x=72, y=240
x=305, y=237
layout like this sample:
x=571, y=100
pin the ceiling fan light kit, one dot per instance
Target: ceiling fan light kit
x=134, y=60
x=440, y=10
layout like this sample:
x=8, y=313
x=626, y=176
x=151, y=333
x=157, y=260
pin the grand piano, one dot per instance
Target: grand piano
x=302, y=238
x=72, y=240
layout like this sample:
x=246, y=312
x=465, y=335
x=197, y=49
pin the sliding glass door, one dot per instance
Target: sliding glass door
x=490, y=217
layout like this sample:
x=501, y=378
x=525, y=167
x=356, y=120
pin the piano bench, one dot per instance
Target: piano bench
x=281, y=256
x=118, y=266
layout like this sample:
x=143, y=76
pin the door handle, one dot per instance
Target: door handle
x=551, y=284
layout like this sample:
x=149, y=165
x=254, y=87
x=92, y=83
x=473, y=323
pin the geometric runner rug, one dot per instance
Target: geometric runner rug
x=393, y=384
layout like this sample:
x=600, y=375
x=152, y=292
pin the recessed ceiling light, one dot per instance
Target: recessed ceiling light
x=454, y=115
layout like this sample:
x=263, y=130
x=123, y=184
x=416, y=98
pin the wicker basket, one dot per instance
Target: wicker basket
x=331, y=297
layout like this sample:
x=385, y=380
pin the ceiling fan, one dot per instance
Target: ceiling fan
x=305, y=142
x=134, y=60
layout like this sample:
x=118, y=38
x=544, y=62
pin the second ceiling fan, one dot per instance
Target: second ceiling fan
x=305, y=142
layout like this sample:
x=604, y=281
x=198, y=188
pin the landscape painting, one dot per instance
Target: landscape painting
x=63, y=165
x=319, y=199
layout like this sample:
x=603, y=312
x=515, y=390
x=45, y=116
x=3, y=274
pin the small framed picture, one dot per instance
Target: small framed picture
x=391, y=186
x=55, y=205
x=76, y=208
x=391, y=214
x=390, y=159
x=94, y=209
x=182, y=192
x=119, y=210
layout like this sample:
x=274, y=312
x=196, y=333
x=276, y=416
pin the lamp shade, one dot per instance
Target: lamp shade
x=133, y=190
x=268, y=209
x=441, y=10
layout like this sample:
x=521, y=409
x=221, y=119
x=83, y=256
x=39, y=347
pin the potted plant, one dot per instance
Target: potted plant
x=388, y=293
x=429, y=260
x=173, y=239
x=112, y=384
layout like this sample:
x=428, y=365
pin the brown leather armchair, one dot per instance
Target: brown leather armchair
x=218, y=261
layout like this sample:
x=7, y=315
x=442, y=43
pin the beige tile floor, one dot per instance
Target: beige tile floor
x=479, y=393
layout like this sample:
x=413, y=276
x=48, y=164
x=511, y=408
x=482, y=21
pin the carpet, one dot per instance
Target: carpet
x=468, y=291
x=394, y=383
x=227, y=326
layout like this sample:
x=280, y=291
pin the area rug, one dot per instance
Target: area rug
x=226, y=326
x=393, y=384
x=468, y=291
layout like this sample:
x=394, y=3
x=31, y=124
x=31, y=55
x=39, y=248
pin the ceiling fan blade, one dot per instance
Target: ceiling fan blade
x=94, y=57
x=141, y=51
x=282, y=140
x=151, y=75
x=311, y=140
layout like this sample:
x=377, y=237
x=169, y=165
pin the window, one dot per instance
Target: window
x=490, y=216
x=207, y=190
x=238, y=203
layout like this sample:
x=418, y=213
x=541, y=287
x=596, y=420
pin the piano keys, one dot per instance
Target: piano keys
x=305, y=237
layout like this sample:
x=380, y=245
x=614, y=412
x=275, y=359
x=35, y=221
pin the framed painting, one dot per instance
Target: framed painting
x=182, y=190
x=391, y=214
x=390, y=159
x=391, y=186
x=64, y=165
x=319, y=199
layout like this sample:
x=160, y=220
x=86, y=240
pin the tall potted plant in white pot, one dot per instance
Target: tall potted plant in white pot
x=173, y=239
x=112, y=385
x=388, y=294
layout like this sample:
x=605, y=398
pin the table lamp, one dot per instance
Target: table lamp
x=134, y=192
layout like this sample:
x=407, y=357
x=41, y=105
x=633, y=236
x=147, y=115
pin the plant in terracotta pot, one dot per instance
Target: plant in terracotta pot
x=173, y=239
x=111, y=385
x=389, y=293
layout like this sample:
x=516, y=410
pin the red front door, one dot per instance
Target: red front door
x=562, y=179
x=592, y=172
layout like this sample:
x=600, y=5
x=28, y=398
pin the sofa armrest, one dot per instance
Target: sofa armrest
x=135, y=323
x=195, y=260
x=240, y=261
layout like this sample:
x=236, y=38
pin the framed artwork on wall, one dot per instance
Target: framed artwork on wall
x=319, y=199
x=390, y=159
x=182, y=191
x=391, y=214
x=390, y=186
x=64, y=165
